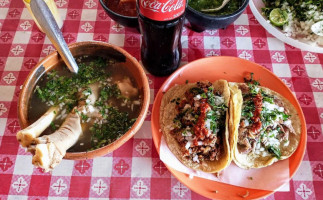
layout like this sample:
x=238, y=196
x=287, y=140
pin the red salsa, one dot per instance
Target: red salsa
x=257, y=113
x=199, y=128
x=122, y=7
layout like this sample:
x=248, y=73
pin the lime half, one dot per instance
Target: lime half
x=278, y=17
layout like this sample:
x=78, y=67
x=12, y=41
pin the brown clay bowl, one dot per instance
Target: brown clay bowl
x=88, y=48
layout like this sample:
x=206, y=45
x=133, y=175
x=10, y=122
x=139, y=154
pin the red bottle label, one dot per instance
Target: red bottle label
x=162, y=10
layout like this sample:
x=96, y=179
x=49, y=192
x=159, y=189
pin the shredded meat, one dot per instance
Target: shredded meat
x=180, y=139
x=285, y=131
x=202, y=144
x=249, y=135
x=206, y=152
x=244, y=88
x=278, y=102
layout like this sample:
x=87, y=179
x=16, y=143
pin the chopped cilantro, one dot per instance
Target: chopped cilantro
x=251, y=80
x=248, y=109
x=63, y=89
x=203, y=96
x=84, y=117
x=275, y=151
x=107, y=92
x=285, y=116
x=215, y=123
x=52, y=125
x=117, y=124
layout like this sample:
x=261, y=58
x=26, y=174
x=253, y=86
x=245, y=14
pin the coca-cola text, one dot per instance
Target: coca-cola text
x=162, y=10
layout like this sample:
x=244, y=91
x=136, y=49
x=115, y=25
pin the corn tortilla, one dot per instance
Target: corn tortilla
x=168, y=112
x=252, y=160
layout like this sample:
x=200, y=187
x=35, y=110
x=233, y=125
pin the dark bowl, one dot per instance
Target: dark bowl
x=201, y=21
x=121, y=19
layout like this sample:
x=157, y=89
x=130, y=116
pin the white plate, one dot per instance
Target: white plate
x=256, y=6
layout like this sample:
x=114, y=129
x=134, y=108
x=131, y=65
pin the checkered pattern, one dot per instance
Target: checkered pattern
x=134, y=170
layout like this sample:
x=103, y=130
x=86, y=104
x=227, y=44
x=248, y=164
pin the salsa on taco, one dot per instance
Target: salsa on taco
x=194, y=121
x=265, y=125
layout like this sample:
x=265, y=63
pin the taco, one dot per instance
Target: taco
x=193, y=119
x=266, y=126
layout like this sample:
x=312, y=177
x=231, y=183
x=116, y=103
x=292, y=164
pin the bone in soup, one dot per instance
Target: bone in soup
x=102, y=95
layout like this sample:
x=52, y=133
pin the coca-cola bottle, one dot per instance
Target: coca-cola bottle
x=161, y=23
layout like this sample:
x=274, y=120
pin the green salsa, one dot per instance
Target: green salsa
x=201, y=5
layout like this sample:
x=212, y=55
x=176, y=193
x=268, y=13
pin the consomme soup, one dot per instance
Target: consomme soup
x=103, y=93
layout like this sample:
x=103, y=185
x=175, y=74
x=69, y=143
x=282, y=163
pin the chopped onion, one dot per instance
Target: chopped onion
x=196, y=159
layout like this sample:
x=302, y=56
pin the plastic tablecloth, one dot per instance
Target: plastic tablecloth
x=135, y=171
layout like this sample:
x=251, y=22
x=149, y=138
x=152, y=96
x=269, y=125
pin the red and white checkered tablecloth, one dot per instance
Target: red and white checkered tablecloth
x=135, y=170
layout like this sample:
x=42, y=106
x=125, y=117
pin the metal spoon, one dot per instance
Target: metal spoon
x=46, y=20
x=224, y=3
x=317, y=28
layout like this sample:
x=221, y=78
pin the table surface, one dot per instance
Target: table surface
x=135, y=170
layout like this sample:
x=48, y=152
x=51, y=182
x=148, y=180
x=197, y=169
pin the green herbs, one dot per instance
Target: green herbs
x=215, y=123
x=253, y=85
x=275, y=151
x=251, y=80
x=254, y=90
x=202, y=108
x=116, y=124
x=57, y=90
x=248, y=109
x=64, y=89
x=268, y=116
x=84, y=117
x=267, y=98
x=212, y=115
x=53, y=126
x=211, y=97
x=107, y=92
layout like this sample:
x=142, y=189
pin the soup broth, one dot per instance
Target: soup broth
x=115, y=110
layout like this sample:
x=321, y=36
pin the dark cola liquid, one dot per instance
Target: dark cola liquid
x=161, y=49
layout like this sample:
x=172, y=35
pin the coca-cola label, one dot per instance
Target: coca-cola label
x=162, y=10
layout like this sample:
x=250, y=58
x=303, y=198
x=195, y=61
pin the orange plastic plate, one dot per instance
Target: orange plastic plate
x=231, y=69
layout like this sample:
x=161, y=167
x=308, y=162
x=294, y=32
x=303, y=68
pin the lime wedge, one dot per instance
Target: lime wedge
x=278, y=17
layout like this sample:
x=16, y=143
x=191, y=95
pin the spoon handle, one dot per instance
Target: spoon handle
x=46, y=20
